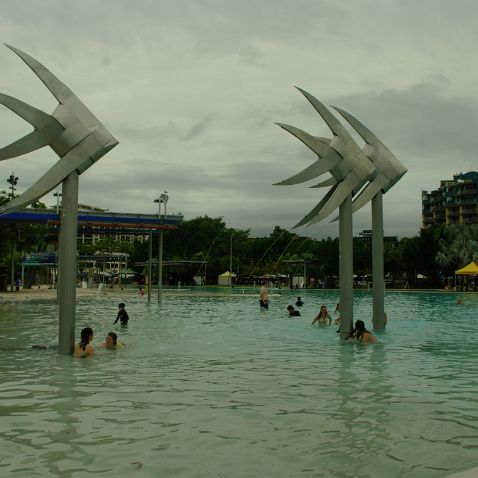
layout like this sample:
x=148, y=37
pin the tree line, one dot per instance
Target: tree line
x=434, y=253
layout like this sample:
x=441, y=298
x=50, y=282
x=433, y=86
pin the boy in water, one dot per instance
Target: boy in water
x=122, y=315
x=263, y=297
x=292, y=311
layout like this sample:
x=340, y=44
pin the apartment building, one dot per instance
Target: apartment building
x=454, y=202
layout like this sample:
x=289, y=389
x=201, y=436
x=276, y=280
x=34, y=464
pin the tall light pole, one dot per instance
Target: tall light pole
x=230, y=263
x=12, y=180
x=163, y=199
x=58, y=196
x=150, y=263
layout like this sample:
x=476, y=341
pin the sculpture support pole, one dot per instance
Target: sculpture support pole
x=160, y=264
x=68, y=264
x=150, y=263
x=346, y=267
x=377, y=263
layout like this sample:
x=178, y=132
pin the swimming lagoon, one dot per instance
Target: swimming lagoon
x=208, y=385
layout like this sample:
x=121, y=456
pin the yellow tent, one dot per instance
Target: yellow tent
x=226, y=278
x=470, y=270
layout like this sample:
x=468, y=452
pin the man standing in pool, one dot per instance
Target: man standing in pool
x=263, y=297
x=122, y=315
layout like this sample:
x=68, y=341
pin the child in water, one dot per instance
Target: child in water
x=362, y=334
x=111, y=341
x=122, y=315
x=292, y=311
x=83, y=348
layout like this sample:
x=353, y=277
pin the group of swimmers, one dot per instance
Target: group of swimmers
x=84, y=348
x=323, y=318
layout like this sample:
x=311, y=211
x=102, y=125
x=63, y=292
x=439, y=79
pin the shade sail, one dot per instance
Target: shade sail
x=470, y=270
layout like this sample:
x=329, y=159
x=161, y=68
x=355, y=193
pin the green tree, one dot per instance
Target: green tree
x=459, y=246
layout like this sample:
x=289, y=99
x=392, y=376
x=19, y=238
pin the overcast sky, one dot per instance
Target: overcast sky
x=192, y=89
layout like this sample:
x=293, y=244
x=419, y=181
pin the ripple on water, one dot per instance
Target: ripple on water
x=211, y=386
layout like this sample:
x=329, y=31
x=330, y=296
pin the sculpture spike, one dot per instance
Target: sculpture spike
x=31, y=142
x=46, y=128
x=58, y=89
x=386, y=162
x=361, y=129
x=366, y=195
x=307, y=218
x=310, y=172
x=337, y=198
x=72, y=131
x=332, y=122
x=323, y=184
x=317, y=145
x=37, y=118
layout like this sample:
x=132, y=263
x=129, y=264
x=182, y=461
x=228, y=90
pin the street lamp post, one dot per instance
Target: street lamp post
x=12, y=180
x=58, y=196
x=163, y=199
x=150, y=263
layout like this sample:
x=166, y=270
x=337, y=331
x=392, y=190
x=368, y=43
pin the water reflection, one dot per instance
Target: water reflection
x=212, y=386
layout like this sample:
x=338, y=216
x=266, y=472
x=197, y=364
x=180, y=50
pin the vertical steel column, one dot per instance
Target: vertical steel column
x=346, y=267
x=160, y=264
x=150, y=263
x=12, y=266
x=67, y=269
x=230, y=263
x=377, y=262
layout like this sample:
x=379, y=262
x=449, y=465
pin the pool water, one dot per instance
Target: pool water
x=211, y=386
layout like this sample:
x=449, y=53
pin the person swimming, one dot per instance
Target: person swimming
x=84, y=348
x=292, y=311
x=362, y=334
x=322, y=317
x=299, y=302
x=111, y=341
x=263, y=297
x=122, y=315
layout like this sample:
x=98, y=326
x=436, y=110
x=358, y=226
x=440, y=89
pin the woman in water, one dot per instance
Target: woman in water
x=362, y=334
x=323, y=317
x=111, y=341
x=83, y=348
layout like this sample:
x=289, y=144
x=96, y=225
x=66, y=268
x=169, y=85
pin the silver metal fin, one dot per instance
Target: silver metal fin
x=50, y=180
x=332, y=122
x=317, y=145
x=361, y=129
x=340, y=193
x=59, y=90
x=327, y=182
x=47, y=128
x=31, y=142
x=314, y=170
x=32, y=115
x=366, y=195
x=313, y=213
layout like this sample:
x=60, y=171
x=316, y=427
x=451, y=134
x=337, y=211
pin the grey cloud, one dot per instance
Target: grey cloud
x=192, y=90
x=421, y=120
